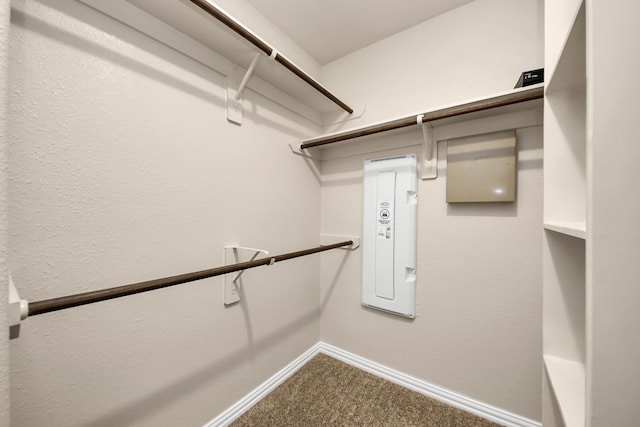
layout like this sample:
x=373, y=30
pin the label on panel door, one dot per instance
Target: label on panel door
x=385, y=220
x=385, y=195
x=389, y=234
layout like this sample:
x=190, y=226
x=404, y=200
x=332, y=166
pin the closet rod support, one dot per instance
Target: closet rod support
x=429, y=158
x=61, y=303
x=515, y=97
x=427, y=136
x=256, y=252
x=18, y=308
x=247, y=76
x=215, y=12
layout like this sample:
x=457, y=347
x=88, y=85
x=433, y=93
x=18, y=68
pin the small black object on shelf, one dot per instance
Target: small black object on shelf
x=529, y=78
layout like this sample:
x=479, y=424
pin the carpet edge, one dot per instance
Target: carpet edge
x=481, y=409
x=243, y=405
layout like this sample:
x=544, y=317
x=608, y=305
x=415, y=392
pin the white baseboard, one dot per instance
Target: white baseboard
x=451, y=398
x=243, y=405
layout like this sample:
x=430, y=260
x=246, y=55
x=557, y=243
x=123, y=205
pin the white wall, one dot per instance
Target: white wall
x=123, y=168
x=478, y=326
x=472, y=51
x=613, y=294
x=253, y=19
x=4, y=327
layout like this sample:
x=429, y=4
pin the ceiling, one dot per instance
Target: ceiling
x=330, y=29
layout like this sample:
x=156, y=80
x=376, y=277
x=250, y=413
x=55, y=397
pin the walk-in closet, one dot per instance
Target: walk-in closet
x=314, y=212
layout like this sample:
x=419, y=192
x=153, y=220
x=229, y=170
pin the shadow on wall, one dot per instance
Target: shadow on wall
x=48, y=30
x=136, y=410
x=334, y=281
x=500, y=209
x=345, y=168
x=105, y=24
x=336, y=278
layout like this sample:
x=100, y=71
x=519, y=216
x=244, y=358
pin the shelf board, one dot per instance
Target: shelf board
x=196, y=24
x=569, y=72
x=575, y=229
x=478, y=107
x=567, y=380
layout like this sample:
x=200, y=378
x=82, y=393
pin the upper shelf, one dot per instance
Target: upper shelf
x=502, y=100
x=215, y=29
x=575, y=229
x=569, y=71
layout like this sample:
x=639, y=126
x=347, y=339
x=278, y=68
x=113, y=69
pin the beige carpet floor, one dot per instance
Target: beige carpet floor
x=326, y=391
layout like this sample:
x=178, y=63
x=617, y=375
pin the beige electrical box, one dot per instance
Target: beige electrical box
x=482, y=168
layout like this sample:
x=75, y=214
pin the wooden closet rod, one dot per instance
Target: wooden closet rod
x=54, y=304
x=257, y=42
x=471, y=107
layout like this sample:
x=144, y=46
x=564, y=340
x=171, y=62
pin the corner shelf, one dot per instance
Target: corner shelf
x=510, y=100
x=565, y=239
x=223, y=37
x=575, y=229
x=565, y=148
x=569, y=71
x=567, y=380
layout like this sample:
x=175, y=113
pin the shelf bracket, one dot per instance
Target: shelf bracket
x=247, y=76
x=232, y=283
x=429, y=149
x=300, y=153
x=234, y=104
x=235, y=88
x=326, y=239
x=18, y=310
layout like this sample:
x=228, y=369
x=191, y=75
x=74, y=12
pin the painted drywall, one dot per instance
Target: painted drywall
x=4, y=325
x=472, y=51
x=123, y=168
x=253, y=19
x=613, y=294
x=478, y=326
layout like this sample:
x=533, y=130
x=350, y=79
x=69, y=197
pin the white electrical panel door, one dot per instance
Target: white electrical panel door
x=389, y=234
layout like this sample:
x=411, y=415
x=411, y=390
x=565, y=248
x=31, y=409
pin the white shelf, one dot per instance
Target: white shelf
x=193, y=22
x=567, y=380
x=569, y=71
x=564, y=296
x=499, y=103
x=559, y=19
x=565, y=188
x=190, y=31
x=576, y=229
x=586, y=311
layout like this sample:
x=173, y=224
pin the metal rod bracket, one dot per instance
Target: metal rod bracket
x=234, y=102
x=429, y=149
x=235, y=90
x=18, y=310
x=76, y=300
x=326, y=239
x=232, y=283
x=247, y=76
x=299, y=152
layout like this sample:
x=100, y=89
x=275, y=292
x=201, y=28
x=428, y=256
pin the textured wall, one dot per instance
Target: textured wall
x=250, y=17
x=478, y=325
x=613, y=294
x=472, y=51
x=4, y=336
x=124, y=169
